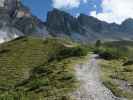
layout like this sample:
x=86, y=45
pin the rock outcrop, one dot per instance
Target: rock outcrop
x=85, y=28
x=62, y=24
x=59, y=21
x=17, y=20
x=7, y=31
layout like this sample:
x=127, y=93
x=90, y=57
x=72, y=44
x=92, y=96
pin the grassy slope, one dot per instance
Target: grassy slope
x=113, y=70
x=29, y=70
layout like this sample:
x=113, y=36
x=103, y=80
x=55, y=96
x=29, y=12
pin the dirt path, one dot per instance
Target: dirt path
x=91, y=86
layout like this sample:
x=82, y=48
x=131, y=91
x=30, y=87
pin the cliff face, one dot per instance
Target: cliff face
x=2, y=3
x=86, y=28
x=17, y=20
x=28, y=23
x=7, y=31
x=59, y=21
x=62, y=24
x=9, y=5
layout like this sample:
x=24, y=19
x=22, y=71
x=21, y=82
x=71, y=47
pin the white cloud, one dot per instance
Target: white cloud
x=67, y=3
x=85, y=1
x=115, y=10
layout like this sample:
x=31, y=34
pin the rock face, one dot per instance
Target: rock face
x=28, y=23
x=86, y=28
x=59, y=21
x=31, y=26
x=2, y=3
x=9, y=5
x=7, y=31
x=16, y=20
x=127, y=26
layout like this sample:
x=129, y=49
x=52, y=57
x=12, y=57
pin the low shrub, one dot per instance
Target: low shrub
x=73, y=52
x=129, y=62
x=63, y=53
x=109, y=53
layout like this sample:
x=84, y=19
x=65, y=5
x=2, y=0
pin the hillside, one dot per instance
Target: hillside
x=32, y=68
x=117, y=67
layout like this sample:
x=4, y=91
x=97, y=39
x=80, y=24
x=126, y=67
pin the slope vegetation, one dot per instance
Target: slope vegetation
x=117, y=67
x=35, y=69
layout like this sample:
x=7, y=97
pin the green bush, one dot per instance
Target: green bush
x=129, y=62
x=67, y=52
x=72, y=52
x=109, y=53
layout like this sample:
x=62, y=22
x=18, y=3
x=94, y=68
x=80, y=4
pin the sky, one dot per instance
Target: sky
x=106, y=10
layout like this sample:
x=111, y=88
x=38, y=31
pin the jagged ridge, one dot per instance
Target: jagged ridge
x=87, y=27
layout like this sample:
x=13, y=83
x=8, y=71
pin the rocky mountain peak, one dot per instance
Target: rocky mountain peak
x=90, y=21
x=127, y=26
x=86, y=27
x=17, y=20
x=60, y=22
x=128, y=22
x=9, y=5
x=14, y=8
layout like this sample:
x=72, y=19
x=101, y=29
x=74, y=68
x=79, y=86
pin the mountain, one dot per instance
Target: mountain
x=127, y=26
x=7, y=31
x=86, y=28
x=17, y=20
x=60, y=23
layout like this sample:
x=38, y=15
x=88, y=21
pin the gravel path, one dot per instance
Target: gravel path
x=91, y=86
